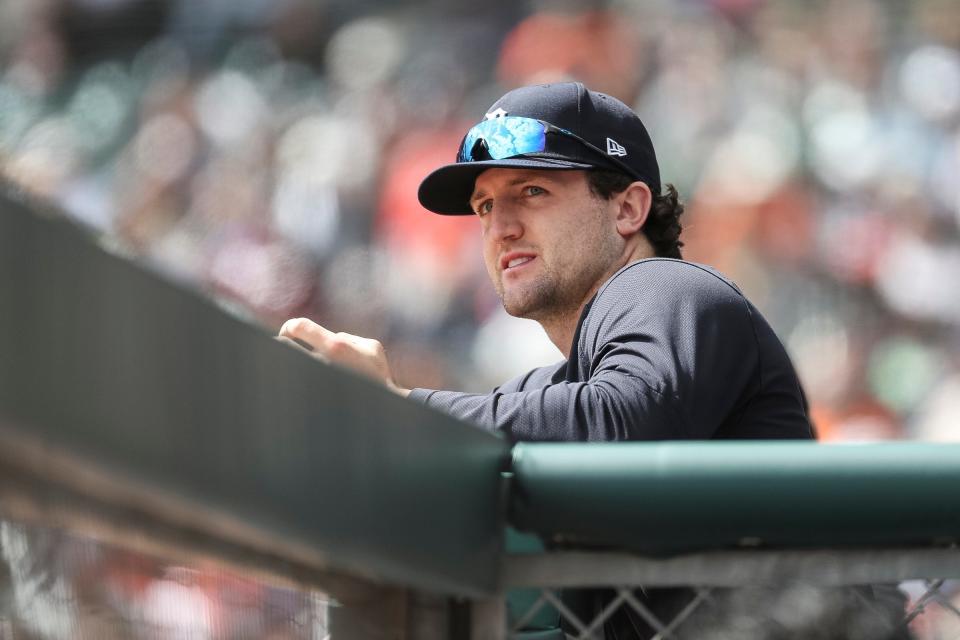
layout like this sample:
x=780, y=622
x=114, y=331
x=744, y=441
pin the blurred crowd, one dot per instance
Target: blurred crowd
x=55, y=586
x=267, y=152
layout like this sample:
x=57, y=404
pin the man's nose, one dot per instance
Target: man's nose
x=504, y=224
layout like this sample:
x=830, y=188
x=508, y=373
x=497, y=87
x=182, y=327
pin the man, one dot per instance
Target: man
x=578, y=236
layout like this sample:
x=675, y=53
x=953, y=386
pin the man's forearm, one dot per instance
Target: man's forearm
x=601, y=411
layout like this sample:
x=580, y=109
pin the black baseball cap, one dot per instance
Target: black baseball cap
x=584, y=130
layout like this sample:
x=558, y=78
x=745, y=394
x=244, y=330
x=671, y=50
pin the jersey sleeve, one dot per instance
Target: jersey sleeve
x=665, y=352
x=474, y=407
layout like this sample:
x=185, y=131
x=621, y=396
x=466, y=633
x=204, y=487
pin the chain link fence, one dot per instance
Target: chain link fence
x=821, y=595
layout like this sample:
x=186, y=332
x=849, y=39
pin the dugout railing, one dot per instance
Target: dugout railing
x=773, y=540
x=145, y=415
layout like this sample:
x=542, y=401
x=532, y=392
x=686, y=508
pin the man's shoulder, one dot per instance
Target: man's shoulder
x=664, y=300
x=668, y=277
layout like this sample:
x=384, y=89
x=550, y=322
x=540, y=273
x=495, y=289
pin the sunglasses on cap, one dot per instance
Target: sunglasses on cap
x=509, y=136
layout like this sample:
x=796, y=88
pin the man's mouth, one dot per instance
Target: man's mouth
x=514, y=260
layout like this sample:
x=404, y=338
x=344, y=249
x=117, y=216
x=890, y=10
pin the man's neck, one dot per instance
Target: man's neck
x=561, y=326
x=560, y=329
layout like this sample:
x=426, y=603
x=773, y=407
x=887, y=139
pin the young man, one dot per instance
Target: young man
x=578, y=236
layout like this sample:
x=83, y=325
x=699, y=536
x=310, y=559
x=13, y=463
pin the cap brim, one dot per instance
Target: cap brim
x=448, y=189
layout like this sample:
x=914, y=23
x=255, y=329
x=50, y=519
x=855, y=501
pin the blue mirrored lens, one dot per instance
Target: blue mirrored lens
x=505, y=137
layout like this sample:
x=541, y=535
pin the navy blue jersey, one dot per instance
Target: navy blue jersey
x=666, y=350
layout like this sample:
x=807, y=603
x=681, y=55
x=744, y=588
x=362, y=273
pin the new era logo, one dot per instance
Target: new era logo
x=614, y=148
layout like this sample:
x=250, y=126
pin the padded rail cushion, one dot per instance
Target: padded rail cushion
x=665, y=498
x=102, y=360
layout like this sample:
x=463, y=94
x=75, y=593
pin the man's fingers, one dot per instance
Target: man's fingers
x=364, y=355
x=303, y=346
x=308, y=332
x=296, y=342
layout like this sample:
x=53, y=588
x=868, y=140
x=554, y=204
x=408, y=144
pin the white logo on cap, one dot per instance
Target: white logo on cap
x=496, y=113
x=614, y=148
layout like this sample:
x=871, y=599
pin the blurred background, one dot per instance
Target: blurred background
x=267, y=153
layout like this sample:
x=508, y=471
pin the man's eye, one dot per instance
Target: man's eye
x=533, y=190
x=484, y=207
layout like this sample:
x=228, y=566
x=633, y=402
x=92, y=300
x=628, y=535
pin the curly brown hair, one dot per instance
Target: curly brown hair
x=662, y=227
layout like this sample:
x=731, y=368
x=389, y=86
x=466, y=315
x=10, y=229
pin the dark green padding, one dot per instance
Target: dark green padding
x=101, y=358
x=665, y=498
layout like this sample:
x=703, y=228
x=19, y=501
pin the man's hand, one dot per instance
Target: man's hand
x=363, y=355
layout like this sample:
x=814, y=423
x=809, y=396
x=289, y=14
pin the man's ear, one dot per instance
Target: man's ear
x=635, y=203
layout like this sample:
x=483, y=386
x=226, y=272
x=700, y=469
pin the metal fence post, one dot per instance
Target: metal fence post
x=377, y=613
x=488, y=618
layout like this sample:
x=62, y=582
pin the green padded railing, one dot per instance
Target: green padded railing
x=102, y=360
x=661, y=498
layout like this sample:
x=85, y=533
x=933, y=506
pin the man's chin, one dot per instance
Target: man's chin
x=515, y=311
x=521, y=308
x=529, y=300
x=512, y=306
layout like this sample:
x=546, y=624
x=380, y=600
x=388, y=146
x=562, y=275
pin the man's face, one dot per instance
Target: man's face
x=548, y=241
